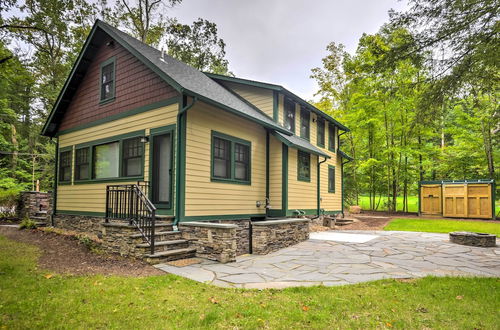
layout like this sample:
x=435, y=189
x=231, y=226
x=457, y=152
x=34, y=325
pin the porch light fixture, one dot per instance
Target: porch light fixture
x=144, y=139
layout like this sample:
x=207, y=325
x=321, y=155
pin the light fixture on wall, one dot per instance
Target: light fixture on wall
x=144, y=139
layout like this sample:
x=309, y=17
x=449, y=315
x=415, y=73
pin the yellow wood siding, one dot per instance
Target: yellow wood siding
x=260, y=97
x=204, y=197
x=281, y=102
x=90, y=197
x=330, y=201
x=301, y=194
x=275, y=172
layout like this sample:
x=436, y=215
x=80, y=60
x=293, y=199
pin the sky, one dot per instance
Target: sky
x=280, y=41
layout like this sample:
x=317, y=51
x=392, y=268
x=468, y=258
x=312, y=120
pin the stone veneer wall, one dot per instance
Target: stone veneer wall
x=242, y=234
x=272, y=235
x=114, y=236
x=32, y=202
x=214, y=241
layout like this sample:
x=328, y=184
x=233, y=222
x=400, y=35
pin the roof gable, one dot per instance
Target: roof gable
x=184, y=78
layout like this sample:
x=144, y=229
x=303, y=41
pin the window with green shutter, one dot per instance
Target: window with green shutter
x=82, y=164
x=65, y=166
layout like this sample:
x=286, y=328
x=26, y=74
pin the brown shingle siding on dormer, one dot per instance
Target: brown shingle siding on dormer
x=136, y=86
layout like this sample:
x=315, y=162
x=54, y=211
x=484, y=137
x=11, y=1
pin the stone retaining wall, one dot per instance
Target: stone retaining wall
x=80, y=223
x=214, y=241
x=34, y=204
x=272, y=235
x=242, y=234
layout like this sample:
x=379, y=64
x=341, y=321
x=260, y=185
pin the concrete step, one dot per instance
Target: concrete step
x=170, y=255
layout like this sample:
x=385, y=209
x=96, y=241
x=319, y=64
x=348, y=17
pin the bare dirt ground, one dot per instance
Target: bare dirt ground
x=66, y=255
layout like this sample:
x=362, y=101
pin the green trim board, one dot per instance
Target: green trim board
x=106, y=100
x=56, y=179
x=169, y=129
x=311, y=212
x=458, y=181
x=275, y=106
x=232, y=161
x=267, y=168
x=284, y=178
x=221, y=217
x=128, y=113
x=84, y=213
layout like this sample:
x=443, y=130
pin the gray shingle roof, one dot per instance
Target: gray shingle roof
x=190, y=80
x=299, y=143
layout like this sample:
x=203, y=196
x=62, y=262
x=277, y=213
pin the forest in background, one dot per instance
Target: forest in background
x=420, y=96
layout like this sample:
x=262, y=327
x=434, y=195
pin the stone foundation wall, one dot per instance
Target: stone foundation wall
x=34, y=204
x=115, y=236
x=272, y=235
x=214, y=241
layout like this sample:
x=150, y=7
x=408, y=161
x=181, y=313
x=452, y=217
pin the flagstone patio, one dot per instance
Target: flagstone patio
x=343, y=259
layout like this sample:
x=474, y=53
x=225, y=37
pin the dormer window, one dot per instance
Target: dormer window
x=107, y=81
x=304, y=123
x=289, y=115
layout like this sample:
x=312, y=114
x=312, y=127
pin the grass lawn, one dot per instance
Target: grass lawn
x=33, y=298
x=364, y=202
x=443, y=226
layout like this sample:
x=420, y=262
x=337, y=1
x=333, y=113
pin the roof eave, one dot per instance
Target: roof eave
x=293, y=145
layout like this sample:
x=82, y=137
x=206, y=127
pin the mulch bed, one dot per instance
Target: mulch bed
x=66, y=255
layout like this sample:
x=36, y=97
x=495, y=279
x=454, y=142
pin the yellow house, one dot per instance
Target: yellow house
x=198, y=146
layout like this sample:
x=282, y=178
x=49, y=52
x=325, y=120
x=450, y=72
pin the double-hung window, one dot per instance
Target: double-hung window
x=132, y=157
x=303, y=166
x=331, y=179
x=82, y=164
x=331, y=137
x=65, y=166
x=321, y=132
x=304, y=123
x=289, y=115
x=107, y=82
x=230, y=159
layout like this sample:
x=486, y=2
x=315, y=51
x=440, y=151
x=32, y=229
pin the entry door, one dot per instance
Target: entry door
x=161, y=181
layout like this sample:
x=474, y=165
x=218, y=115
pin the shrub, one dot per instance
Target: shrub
x=27, y=223
x=90, y=243
x=9, y=200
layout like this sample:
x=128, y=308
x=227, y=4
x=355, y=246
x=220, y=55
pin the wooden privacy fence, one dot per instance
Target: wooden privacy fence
x=458, y=199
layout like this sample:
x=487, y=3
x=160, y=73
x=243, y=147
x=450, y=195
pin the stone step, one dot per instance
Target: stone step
x=163, y=243
x=41, y=212
x=162, y=235
x=170, y=255
x=38, y=218
x=40, y=224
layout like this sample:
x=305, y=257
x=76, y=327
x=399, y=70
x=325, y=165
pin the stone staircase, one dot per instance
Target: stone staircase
x=169, y=244
x=40, y=218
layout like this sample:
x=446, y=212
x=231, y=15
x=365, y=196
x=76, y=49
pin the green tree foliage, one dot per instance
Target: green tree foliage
x=197, y=45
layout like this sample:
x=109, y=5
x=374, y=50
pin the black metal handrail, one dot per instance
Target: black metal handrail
x=130, y=202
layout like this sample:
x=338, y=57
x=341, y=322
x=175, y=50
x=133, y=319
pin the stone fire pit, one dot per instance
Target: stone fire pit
x=473, y=239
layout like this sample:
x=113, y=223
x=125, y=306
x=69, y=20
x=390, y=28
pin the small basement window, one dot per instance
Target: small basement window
x=82, y=164
x=304, y=123
x=107, y=82
x=331, y=178
x=230, y=159
x=303, y=166
x=65, y=166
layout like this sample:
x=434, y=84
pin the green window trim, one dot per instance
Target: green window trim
x=233, y=143
x=320, y=137
x=305, y=123
x=331, y=176
x=121, y=177
x=331, y=137
x=65, y=152
x=102, y=98
x=79, y=162
x=303, y=160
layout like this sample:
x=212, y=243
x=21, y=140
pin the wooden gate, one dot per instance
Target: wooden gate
x=430, y=199
x=458, y=199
